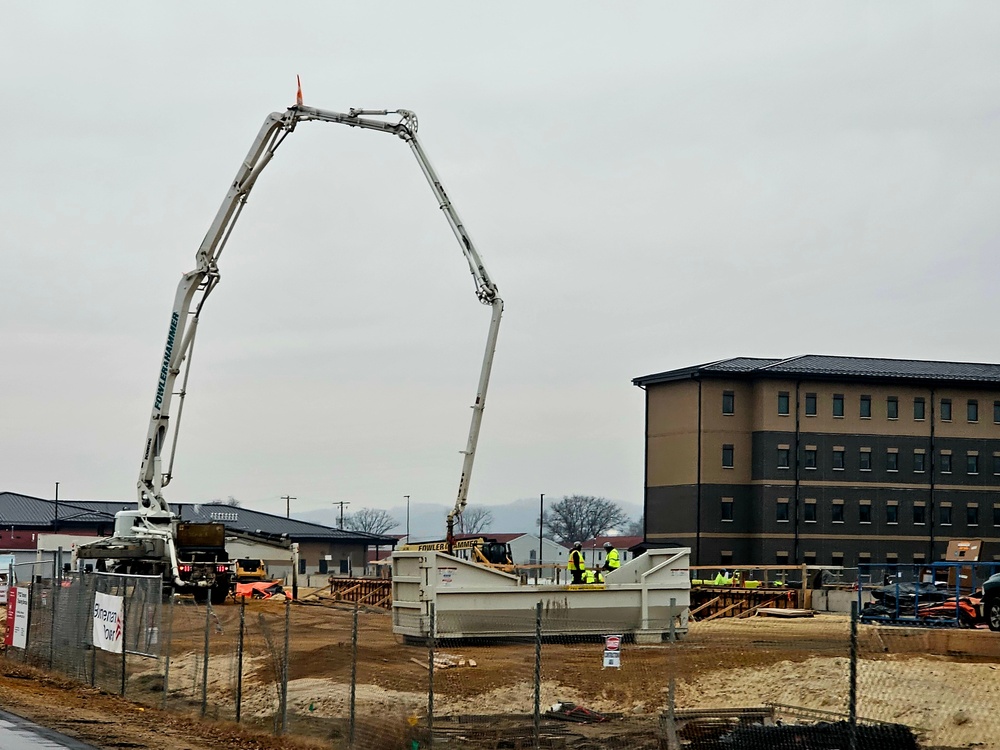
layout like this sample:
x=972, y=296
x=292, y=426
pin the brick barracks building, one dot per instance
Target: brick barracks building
x=823, y=460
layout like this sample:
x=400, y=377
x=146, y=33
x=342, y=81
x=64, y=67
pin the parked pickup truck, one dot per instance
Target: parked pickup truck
x=991, y=601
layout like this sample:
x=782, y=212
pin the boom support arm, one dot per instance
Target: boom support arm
x=196, y=285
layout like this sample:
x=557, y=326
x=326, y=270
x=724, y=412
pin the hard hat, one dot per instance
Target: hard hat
x=577, y=545
x=608, y=545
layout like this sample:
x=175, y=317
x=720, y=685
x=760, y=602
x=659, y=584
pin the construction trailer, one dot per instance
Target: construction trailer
x=436, y=594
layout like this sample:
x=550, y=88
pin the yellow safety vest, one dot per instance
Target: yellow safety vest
x=578, y=563
x=614, y=561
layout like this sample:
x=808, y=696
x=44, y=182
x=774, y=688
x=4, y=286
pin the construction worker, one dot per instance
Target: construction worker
x=592, y=576
x=612, y=561
x=576, y=564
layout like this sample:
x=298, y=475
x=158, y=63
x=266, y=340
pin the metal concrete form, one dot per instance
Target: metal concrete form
x=647, y=598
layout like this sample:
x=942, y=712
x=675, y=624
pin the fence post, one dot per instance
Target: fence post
x=284, y=670
x=239, y=659
x=125, y=618
x=538, y=674
x=204, y=665
x=354, y=671
x=430, y=678
x=852, y=694
x=673, y=633
x=53, y=608
x=170, y=640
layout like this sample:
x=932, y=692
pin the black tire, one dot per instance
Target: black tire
x=991, y=609
x=219, y=594
x=200, y=594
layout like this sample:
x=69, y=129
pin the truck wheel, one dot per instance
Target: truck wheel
x=219, y=594
x=993, y=612
x=200, y=595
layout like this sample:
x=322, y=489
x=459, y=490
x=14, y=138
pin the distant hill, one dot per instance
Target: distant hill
x=428, y=520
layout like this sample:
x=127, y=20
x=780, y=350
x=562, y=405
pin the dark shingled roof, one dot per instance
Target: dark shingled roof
x=828, y=367
x=27, y=511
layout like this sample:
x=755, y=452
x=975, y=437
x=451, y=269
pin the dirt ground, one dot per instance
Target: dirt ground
x=942, y=682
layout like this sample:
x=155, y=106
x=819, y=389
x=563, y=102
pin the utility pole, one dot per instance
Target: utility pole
x=407, y=518
x=342, y=503
x=288, y=505
x=55, y=521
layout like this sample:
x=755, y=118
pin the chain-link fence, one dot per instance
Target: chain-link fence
x=539, y=679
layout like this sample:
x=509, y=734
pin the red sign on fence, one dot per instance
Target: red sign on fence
x=612, y=642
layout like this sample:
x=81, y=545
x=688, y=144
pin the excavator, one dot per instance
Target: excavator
x=145, y=539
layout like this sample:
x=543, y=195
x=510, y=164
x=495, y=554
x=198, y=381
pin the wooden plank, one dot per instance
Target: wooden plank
x=782, y=612
x=723, y=611
x=700, y=607
x=423, y=663
x=753, y=610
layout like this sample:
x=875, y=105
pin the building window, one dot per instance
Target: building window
x=727, y=509
x=782, y=458
x=302, y=565
x=972, y=515
x=892, y=407
x=865, y=513
x=837, y=558
x=892, y=514
x=781, y=558
x=945, y=463
x=782, y=511
x=866, y=407
x=728, y=402
x=996, y=463
x=892, y=461
x=918, y=462
x=727, y=456
x=946, y=410
x=324, y=566
x=944, y=515
x=810, y=558
x=972, y=463
x=919, y=515
x=972, y=410
x=837, y=512
x=919, y=409
x=726, y=557
x=996, y=515
x=810, y=404
x=783, y=403
x=838, y=404
x=865, y=459
x=810, y=458
x=996, y=412
x=809, y=512
x=838, y=459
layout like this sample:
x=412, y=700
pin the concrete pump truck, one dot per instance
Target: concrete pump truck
x=191, y=557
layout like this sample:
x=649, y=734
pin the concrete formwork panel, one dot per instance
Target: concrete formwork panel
x=642, y=599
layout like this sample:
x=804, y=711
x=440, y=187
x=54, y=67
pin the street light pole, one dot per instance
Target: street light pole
x=407, y=518
x=288, y=505
x=541, y=522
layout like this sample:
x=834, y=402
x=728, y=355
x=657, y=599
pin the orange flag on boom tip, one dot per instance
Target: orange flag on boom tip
x=298, y=94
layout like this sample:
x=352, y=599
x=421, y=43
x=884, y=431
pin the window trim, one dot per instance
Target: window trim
x=731, y=395
x=865, y=400
x=889, y=402
x=731, y=448
x=972, y=405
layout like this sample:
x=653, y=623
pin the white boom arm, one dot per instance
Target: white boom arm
x=196, y=285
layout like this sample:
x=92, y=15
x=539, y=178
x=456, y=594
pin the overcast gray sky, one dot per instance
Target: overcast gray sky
x=651, y=184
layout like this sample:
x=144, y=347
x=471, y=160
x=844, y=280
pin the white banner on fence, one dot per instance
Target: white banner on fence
x=20, y=639
x=108, y=622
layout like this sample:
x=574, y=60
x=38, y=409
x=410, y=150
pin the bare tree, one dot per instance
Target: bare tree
x=636, y=527
x=579, y=517
x=370, y=521
x=475, y=520
x=232, y=501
